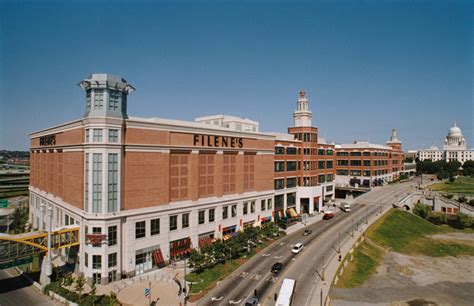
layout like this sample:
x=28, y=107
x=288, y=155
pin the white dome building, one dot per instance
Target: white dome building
x=454, y=148
x=455, y=140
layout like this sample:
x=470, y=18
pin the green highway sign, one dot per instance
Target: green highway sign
x=3, y=203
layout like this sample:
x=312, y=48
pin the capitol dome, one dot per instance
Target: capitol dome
x=455, y=131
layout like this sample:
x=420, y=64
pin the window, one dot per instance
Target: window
x=365, y=173
x=356, y=154
x=212, y=214
x=269, y=204
x=185, y=220
x=342, y=153
x=279, y=150
x=366, y=153
x=329, y=164
x=96, y=230
x=96, y=261
x=279, y=202
x=112, y=260
x=321, y=152
x=366, y=163
x=342, y=162
x=112, y=184
x=86, y=259
x=88, y=100
x=356, y=163
x=245, y=208
x=201, y=216
x=355, y=172
x=262, y=205
x=96, y=278
x=291, y=199
x=291, y=182
x=113, y=135
x=279, y=166
x=97, y=135
x=98, y=98
x=86, y=184
x=139, y=229
x=321, y=164
x=329, y=177
x=225, y=212
x=86, y=133
x=279, y=184
x=234, y=210
x=114, y=100
x=155, y=227
x=321, y=179
x=291, y=151
x=329, y=152
x=173, y=223
x=329, y=188
x=252, y=207
x=112, y=235
x=291, y=166
x=97, y=183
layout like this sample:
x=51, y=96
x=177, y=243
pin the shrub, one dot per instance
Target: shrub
x=439, y=218
x=422, y=210
x=471, y=202
x=463, y=220
x=462, y=199
x=449, y=196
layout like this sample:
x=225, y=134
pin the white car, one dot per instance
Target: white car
x=297, y=248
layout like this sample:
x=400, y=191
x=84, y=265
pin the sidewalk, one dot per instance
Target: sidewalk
x=131, y=291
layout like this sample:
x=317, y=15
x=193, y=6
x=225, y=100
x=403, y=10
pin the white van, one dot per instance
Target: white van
x=346, y=207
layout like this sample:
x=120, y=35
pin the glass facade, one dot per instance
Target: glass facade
x=112, y=182
x=97, y=183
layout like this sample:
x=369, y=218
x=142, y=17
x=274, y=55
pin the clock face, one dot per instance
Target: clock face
x=302, y=93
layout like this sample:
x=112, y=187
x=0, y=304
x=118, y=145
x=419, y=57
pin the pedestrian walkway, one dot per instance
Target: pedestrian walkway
x=165, y=286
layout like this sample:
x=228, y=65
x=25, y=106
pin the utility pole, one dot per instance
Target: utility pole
x=149, y=297
x=339, y=247
x=322, y=272
x=49, y=268
x=185, y=289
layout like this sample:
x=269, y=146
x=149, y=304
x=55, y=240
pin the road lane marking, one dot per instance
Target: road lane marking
x=214, y=299
x=266, y=255
x=278, y=257
x=235, y=302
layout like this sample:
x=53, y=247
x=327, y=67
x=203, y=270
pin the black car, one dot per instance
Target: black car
x=307, y=232
x=276, y=268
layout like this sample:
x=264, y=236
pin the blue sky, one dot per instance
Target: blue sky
x=367, y=66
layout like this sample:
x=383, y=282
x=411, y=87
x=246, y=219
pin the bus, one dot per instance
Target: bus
x=286, y=292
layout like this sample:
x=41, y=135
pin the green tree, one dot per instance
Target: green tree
x=463, y=220
x=468, y=168
x=80, y=282
x=422, y=210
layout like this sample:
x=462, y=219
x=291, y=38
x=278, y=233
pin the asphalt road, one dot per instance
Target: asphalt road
x=15, y=290
x=306, y=267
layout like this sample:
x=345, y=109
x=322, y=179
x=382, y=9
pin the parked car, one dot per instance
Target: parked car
x=297, y=248
x=307, y=232
x=277, y=267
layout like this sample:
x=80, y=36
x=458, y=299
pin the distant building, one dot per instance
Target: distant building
x=365, y=164
x=232, y=122
x=454, y=148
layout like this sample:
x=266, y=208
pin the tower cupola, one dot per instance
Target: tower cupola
x=106, y=95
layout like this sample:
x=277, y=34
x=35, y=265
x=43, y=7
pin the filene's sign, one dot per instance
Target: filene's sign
x=49, y=140
x=218, y=141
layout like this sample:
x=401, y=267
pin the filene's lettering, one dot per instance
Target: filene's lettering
x=49, y=140
x=218, y=141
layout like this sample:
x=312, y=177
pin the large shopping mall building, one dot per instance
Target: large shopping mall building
x=146, y=190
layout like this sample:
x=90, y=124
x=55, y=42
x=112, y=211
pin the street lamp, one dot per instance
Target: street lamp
x=49, y=267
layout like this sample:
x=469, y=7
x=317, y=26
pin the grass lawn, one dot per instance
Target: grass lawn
x=462, y=184
x=209, y=276
x=365, y=262
x=406, y=233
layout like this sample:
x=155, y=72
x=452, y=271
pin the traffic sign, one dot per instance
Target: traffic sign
x=147, y=292
x=3, y=203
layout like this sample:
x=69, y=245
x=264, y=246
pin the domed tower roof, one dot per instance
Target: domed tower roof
x=454, y=131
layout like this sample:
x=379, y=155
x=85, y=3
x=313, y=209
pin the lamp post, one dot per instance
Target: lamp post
x=49, y=270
